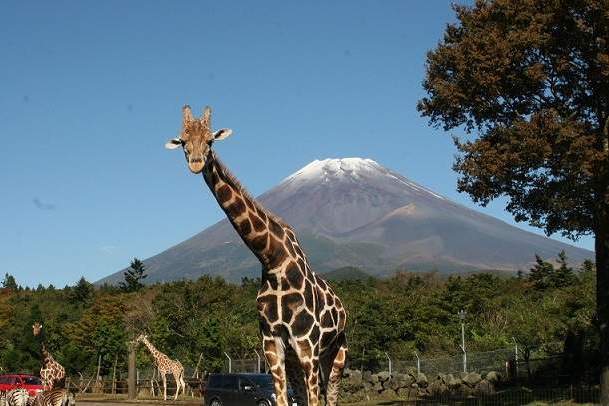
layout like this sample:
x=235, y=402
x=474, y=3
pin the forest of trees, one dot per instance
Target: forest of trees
x=543, y=309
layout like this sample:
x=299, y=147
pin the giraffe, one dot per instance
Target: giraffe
x=302, y=320
x=165, y=365
x=51, y=372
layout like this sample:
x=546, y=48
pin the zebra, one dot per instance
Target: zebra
x=53, y=397
x=17, y=397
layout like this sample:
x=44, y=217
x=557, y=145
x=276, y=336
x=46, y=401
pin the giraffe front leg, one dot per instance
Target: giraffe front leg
x=274, y=354
x=164, y=386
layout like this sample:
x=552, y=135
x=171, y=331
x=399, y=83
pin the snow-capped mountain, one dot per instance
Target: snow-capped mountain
x=355, y=212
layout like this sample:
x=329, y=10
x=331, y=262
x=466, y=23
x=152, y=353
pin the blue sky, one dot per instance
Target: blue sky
x=90, y=91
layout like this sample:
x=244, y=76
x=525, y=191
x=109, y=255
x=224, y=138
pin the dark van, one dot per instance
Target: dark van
x=241, y=390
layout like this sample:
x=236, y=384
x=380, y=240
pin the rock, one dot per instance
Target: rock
x=378, y=387
x=441, y=377
x=472, y=379
x=454, y=383
x=406, y=380
x=462, y=375
x=395, y=383
x=422, y=380
x=354, y=377
x=485, y=388
x=383, y=376
x=366, y=376
x=374, y=378
x=438, y=388
x=387, y=394
x=493, y=377
x=404, y=393
x=347, y=372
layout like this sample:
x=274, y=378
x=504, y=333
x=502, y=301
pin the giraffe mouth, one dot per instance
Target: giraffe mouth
x=196, y=165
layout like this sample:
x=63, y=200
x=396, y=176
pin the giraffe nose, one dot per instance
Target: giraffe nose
x=195, y=165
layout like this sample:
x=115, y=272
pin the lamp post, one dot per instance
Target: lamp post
x=462, y=313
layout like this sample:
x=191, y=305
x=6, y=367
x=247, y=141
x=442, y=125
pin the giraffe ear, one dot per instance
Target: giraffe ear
x=222, y=134
x=173, y=143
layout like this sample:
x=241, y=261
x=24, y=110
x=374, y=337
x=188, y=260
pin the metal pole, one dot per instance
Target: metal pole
x=462, y=314
x=230, y=364
x=418, y=362
x=515, y=356
x=258, y=365
x=388, y=358
x=463, y=346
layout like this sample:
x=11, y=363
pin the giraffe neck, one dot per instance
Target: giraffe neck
x=155, y=353
x=261, y=231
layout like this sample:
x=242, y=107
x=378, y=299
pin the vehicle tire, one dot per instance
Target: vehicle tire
x=263, y=403
x=215, y=402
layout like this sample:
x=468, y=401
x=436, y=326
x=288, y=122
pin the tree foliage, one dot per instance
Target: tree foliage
x=134, y=276
x=405, y=313
x=531, y=78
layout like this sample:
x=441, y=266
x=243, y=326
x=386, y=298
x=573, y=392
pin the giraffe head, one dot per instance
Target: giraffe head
x=37, y=328
x=196, y=138
x=141, y=338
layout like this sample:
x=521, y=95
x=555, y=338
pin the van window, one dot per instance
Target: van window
x=4, y=379
x=230, y=382
x=215, y=381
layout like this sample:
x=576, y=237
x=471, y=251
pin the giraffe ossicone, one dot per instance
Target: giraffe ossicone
x=302, y=320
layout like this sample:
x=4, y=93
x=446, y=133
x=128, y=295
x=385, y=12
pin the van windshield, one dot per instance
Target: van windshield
x=32, y=380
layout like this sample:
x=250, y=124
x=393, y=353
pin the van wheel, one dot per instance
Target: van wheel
x=263, y=403
x=215, y=402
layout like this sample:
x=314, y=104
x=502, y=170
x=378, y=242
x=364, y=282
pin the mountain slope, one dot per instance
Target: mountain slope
x=354, y=212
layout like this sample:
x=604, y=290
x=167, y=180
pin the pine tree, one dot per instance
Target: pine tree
x=10, y=282
x=134, y=276
x=564, y=275
x=541, y=274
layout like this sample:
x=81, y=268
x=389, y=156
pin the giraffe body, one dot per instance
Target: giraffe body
x=302, y=321
x=52, y=372
x=165, y=366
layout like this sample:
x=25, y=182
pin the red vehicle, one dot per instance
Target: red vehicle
x=31, y=383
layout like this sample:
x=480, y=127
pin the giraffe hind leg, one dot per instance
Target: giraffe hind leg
x=338, y=364
x=296, y=378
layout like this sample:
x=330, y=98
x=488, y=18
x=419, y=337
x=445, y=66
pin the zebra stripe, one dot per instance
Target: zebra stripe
x=17, y=397
x=53, y=397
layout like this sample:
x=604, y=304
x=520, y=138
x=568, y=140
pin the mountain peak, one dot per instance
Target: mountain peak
x=336, y=167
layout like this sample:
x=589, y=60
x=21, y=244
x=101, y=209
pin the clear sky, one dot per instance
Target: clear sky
x=91, y=90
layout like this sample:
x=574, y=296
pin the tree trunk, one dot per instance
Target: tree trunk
x=602, y=301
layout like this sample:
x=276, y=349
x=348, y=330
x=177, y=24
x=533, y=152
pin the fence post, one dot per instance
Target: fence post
x=258, y=364
x=462, y=314
x=131, y=378
x=418, y=362
x=387, y=355
x=230, y=363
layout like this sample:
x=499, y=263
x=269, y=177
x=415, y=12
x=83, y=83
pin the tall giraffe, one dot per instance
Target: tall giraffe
x=51, y=371
x=165, y=365
x=302, y=321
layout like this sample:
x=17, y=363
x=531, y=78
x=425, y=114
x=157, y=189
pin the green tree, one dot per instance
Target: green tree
x=563, y=275
x=9, y=282
x=82, y=291
x=541, y=274
x=134, y=276
x=529, y=80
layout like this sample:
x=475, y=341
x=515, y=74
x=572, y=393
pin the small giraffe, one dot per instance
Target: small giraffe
x=302, y=320
x=165, y=365
x=52, y=372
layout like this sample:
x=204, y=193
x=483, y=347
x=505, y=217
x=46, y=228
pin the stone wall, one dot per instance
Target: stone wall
x=368, y=386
